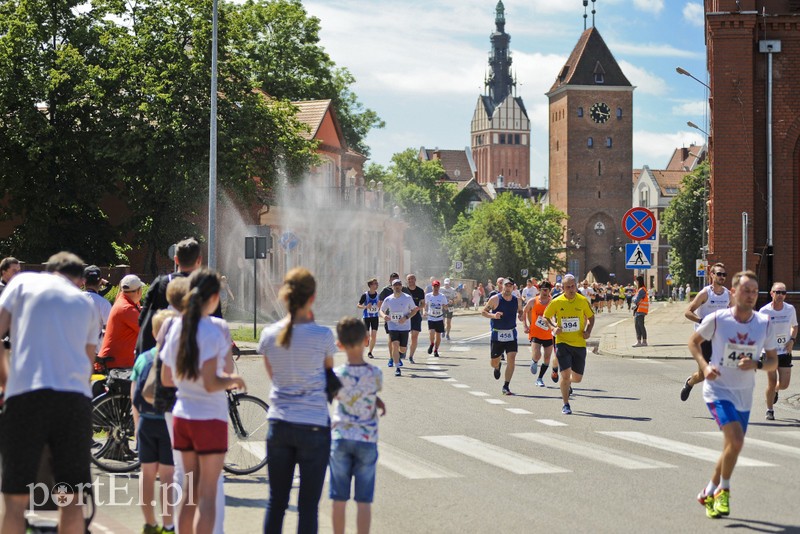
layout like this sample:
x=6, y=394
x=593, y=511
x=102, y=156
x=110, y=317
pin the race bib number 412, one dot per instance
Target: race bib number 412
x=734, y=353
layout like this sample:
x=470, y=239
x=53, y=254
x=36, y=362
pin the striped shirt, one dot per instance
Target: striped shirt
x=298, y=373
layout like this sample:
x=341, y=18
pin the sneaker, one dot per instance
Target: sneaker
x=644, y=343
x=391, y=363
x=151, y=529
x=722, y=501
x=566, y=410
x=554, y=375
x=637, y=344
x=400, y=362
x=534, y=367
x=165, y=530
x=436, y=354
x=540, y=382
x=369, y=355
x=506, y=391
x=430, y=348
x=411, y=360
x=708, y=502
x=502, y=357
x=397, y=372
x=686, y=390
x=497, y=371
x=447, y=337
x=775, y=400
x=770, y=415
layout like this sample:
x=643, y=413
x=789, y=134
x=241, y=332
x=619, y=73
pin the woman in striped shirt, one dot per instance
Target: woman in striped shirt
x=296, y=353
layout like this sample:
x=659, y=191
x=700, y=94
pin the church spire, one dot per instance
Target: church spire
x=500, y=83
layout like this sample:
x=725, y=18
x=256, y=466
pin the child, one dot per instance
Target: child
x=155, y=449
x=354, y=445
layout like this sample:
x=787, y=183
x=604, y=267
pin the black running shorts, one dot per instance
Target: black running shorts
x=371, y=323
x=500, y=347
x=570, y=357
x=436, y=326
x=784, y=360
x=399, y=335
x=543, y=342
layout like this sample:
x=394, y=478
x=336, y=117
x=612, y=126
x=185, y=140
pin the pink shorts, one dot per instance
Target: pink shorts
x=203, y=436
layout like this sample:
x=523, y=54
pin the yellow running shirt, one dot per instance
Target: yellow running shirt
x=571, y=317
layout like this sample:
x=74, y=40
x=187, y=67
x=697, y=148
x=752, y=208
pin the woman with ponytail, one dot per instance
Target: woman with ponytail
x=296, y=353
x=195, y=358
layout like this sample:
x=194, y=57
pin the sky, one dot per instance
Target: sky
x=420, y=64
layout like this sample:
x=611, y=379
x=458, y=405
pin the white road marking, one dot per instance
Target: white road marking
x=494, y=455
x=434, y=367
x=495, y=401
x=794, y=434
x=678, y=447
x=449, y=380
x=461, y=386
x=519, y=411
x=551, y=422
x=479, y=394
x=647, y=360
x=625, y=460
x=410, y=466
x=775, y=447
x=441, y=373
x=612, y=325
x=474, y=338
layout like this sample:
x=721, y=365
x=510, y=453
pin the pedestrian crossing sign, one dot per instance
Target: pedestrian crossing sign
x=637, y=256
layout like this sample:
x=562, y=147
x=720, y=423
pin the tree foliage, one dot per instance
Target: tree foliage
x=502, y=237
x=682, y=224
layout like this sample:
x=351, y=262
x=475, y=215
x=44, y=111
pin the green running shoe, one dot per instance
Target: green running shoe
x=721, y=502
x=708, y=502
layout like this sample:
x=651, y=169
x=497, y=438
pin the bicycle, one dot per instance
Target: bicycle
x=113, y=431
x=247, y=434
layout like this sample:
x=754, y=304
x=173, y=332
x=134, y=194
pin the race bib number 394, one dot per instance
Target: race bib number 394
x=570, y=324
x=734, y=353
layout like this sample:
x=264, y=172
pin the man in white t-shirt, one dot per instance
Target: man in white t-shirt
x=92, y=281
x=737, y=335
x=397, y=310
x=530, y=290
x=54, y=332
x=450, y=293
x=435, y=308
x=784, y=321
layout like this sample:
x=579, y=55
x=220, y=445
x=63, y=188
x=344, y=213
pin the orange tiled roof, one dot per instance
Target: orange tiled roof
x=686, y=159
x=455, y=162
x=311, y=113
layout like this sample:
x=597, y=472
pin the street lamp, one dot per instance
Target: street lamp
x=690, y=124
x=683, y=71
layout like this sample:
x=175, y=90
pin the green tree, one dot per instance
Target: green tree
x=682, y=224
x=502, y=237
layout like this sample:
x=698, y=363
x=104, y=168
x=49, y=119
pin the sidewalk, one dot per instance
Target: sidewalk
x=668, y=333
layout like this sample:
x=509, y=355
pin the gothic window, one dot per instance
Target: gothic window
x=502, y=139
x=516, y=139
x=590, y=142
x=580, y=112
x=644, y=198
x=608, y=142
x=619, y=113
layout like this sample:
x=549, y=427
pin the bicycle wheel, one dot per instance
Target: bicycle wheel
x=247, y=435
x=113, y=433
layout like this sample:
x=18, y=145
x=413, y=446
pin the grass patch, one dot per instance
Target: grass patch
x=245, y=333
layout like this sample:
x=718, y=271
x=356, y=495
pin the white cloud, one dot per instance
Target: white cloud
x=655, y=148
x=691, y=108
x=693, y=14
x=651, y=6
x=646, y=82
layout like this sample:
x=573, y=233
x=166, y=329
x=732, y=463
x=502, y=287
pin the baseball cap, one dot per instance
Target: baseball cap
x=130, y=282
x=397, y=281
x=508, y=281
x=92, y=274
x=446, y=281
x=436, y=283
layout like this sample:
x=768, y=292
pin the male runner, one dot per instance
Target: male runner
x=538, y=330
x=572, y=319
x=503, y=310
x=708, y=300
x=435, y=308
x=784, y=321
x=418, y=294
x=450, y=293
x=369, y=303
x=397, y=310
x=385, y=292
x=737, y=336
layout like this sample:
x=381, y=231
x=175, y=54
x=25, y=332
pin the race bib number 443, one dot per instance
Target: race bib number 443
x=734, y=353
x=570, y=324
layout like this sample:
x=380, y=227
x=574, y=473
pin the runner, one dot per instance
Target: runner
x=385, y=292
x=503, y=310
x=629, y=291
x=418, y=294
x=397, y=310
x=784, y=321
x=538, y=329
x=435, y=308
x=708, y=300
x=450, y=293
x=530, y=291
x=369, y=303
x=737, y=336
x=572, y=319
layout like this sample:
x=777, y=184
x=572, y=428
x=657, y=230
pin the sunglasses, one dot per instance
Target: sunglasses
x=720, y=274
x=779, y=292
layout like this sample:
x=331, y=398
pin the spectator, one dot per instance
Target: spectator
x=119, y=342
x=54, y=328
x=225, y=296
x=93, y=282
x=9, y=267
x=641, y=305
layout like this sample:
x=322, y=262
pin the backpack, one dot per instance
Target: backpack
x=143, y=393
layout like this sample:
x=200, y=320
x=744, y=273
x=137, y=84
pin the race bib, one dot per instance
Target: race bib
x=542, y=323
x=372, y=308
x=436, y=311
x=734, y=353
x=782, y=340
x=570, y=324
x=505, y=335
x=396, y=317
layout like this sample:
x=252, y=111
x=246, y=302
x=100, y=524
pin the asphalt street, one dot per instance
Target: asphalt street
x=456, y=456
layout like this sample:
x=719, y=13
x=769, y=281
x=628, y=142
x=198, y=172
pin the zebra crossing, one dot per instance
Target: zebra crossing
x=598, y=446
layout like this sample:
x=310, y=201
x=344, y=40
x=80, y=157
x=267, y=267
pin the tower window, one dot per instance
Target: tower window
x=580, y=112
x=608, y=142
x=619, y=113
x=502, y=139
x=516, y=139
x=599, y=172
x=590, y=142
x=599, y=78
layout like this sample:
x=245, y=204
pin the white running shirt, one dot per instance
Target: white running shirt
x=434, y=306
x=782, y=323
x=396, y=308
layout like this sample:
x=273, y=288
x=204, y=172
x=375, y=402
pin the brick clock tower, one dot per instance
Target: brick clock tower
x=591, y=147
x=500, y=129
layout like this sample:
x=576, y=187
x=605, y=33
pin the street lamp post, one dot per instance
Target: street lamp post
x=212, y=158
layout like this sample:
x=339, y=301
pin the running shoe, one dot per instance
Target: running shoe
x=534, y=367
x=397, y=372
x=151, y=529
x=566, y=410
x=770, y=415
x=411, y=360
x=436, y=354
x=391, y=363
x=497, y=371
x=722, y=501
x=686, y=390
x=506, y=391
x=554, y=375
x=637, y=344
x=369, y=355
x=447, y=337
x=430, y=348
x=400, y=362
x=540, y=382
x=775, y=400
x=708, y=502
x=502, y=357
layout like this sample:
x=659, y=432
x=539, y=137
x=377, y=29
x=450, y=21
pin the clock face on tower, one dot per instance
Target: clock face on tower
x=600, y=112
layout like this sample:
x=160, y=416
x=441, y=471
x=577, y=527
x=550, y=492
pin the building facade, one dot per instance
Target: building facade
x=591, y=157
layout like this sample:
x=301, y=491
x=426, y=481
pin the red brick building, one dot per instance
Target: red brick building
x=591, y=157
x=500, y=131
x=742, y=37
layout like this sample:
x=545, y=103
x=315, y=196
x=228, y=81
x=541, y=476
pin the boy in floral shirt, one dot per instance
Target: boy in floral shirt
x=354, y=445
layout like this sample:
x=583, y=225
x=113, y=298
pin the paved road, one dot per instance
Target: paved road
x=456, y=456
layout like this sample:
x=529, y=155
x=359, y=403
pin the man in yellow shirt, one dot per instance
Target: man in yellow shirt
x=572, y=320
